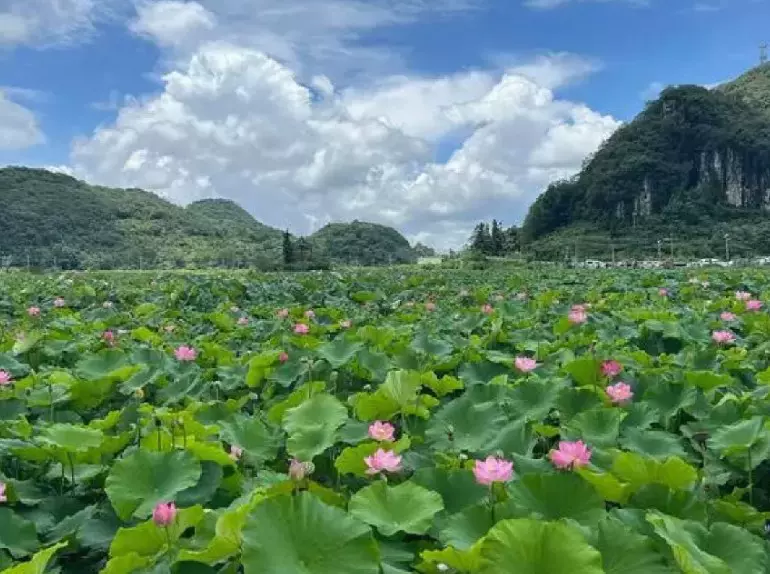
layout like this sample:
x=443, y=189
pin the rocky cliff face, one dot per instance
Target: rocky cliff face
x=692, y=151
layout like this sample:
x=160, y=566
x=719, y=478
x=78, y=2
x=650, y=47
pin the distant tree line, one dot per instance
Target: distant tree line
x=494, y=240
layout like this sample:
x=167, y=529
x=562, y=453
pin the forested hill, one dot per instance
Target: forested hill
x=54, y=220
x=695, y=162
x=362, y=243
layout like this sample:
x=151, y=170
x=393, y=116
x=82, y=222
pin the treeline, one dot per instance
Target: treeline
x=493, y=240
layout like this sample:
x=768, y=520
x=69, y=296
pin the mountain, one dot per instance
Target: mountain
x=54, y=220
x=362, y=243
x=694, y=165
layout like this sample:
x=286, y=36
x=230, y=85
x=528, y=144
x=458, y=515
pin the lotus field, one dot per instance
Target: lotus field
x=528, y=421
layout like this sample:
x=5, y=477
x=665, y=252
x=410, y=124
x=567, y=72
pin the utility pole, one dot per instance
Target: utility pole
x=763, y=53
x=727, y=247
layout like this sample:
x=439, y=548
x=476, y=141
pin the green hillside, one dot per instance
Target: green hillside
x=694, y=165
x=362, y=243
x=54, y=220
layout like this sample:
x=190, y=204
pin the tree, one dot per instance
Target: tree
x=512, y=240
x=496, y=239
x=288, y=249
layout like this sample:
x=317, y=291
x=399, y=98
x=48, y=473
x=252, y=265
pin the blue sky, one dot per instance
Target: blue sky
x=422, y=99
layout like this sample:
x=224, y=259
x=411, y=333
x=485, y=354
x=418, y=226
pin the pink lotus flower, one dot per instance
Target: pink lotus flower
x=663, y=292
x=493, y=470
x=727, y=316
x=430, y=306
x=383, y=461
x=580, y=307
x=283, y=357
x=243, y=321
x=283, y=313
x=301, y=329
x=487, y=309
x=109, y=338
x=185, y=353
x=723, y=337
x=619, y=393
x=236, y=452
x=611, y=368
x=309, y=313
x=742, y=295
x=59, y=302
x=379, y=430
x=33, y=311
x=753, y=305
x=570, y=455
x=5, y=378
x=3, y=497
x=298, y=470
x=577, y=316
x=345, y=324
x=164, y=513
x=525, y=364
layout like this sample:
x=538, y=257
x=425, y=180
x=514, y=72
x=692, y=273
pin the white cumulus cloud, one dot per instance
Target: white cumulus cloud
x=44, y=23
x=19, y=128
x=232, y=121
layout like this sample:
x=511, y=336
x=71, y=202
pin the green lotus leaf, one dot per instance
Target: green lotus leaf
x=723, y=549
x=740, y=437
x=431, y=345
x=17, y=535
x=458, y=488
x=464, y=529
x=259, y=441
x=624, y=551
x=109, y=364
x=72, y=438
x=679, y=503
x=460, y=560
x=339, y=352
x=441, y=386
x=470, y=422
x=208, y=483
x=529, y=546
x=532, y=399
x=639, y=471
x=597, y=427
x=406, y=507
x=312, y=426
x=585, y=371
x=39, y=562
x=301, y=535
x=558, y=495
x=288, y=373
x=708, y=380
x=137, y=482
x=657, y=444
x=609, y=487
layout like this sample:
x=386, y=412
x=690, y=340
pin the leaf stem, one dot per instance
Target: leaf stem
x=751, y=478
